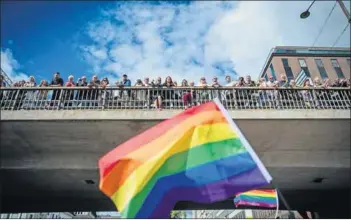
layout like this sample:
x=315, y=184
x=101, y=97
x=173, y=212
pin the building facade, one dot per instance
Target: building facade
x=300, y=63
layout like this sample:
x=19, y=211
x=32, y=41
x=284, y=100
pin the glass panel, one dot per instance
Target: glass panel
x=285, y=62
x=311, y=51
x=289, y=73
x=319, y=63
x=273, y=72
x=339, y=72
x=302, y=63
x=323, y=72
x=335, y=63
x=307, y=72
x=266, y=77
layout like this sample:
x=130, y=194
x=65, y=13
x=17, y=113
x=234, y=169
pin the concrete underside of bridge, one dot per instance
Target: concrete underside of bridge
x=45, y=164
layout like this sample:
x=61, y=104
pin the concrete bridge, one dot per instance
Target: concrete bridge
x=49, y=158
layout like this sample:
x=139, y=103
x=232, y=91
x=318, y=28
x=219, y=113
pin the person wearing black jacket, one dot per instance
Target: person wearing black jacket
x=57, y=81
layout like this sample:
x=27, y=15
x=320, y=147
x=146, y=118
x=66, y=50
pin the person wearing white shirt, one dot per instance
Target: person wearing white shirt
x=272, y=94
x=229, y=95
x=203, y=94
x=229, y=82
x=30, y=94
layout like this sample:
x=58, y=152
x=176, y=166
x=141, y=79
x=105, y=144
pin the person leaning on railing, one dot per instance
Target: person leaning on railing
x=82, y=94
x=93, y=94
x=105, y=94
x=57, y=81
x=42, y=95
x=229, y=94
x=319, y=94
x=186, y=94
x=203, y=94
x=168, y=95
x=156, y=94
x=30, y=94
x=68, y=95
x=283, y=94
x=139, y=95
x=251, y=94
x=126, y=94
x=215, y=84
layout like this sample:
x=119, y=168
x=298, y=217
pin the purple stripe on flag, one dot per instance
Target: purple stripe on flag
x=209, y=193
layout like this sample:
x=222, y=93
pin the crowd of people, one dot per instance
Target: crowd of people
x=158, y=98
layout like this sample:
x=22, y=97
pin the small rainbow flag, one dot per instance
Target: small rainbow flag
x=199, y=155
x=261, y=198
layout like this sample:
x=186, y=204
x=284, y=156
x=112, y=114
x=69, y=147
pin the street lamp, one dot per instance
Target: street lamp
x=307, y=13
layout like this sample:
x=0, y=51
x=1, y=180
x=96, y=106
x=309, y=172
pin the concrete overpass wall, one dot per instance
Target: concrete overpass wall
x=46, y=156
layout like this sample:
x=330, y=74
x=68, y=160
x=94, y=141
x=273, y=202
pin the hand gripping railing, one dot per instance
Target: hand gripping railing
x=70, y=98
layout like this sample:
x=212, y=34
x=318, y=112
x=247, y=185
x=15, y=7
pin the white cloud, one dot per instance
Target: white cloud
x=202, y=38
x=11, y=66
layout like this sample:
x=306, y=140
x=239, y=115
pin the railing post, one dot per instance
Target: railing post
x=15, y=100
x=60, y=98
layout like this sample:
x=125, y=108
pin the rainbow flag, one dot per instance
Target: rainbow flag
x=261, y=198
x=199, y=155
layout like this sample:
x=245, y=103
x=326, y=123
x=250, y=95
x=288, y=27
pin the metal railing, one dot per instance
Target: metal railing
x=63, y=98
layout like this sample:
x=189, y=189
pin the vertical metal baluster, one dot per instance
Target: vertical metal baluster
x=15, y=96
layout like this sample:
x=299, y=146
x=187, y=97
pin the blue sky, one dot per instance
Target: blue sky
x=182, y=39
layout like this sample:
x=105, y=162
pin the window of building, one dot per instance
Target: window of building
x=273, y=72
x=335, y=63
x=337, y=68
x=349, y=62
x=266, y=77
x=302, y=63
x=304, y=67
x=285, y=62
x=288, y=72
x=321, y=68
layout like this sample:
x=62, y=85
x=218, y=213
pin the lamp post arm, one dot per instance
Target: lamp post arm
x=310, y=5
x=344, y=9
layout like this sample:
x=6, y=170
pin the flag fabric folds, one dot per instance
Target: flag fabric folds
x=259, y=198
x=199, y=155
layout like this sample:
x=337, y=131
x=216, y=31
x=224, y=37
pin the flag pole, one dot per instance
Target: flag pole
x=277, y=210
x=280, y=194
x=254, y=156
